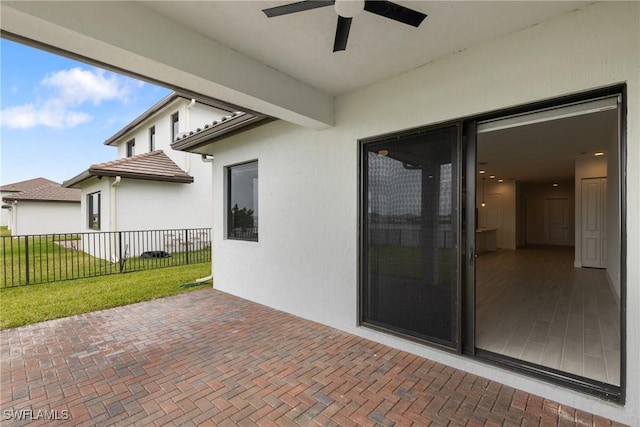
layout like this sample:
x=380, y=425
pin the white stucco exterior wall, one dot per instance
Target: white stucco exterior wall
x=31, y=217
x=4, y=213
x=306, y=261
x=152, y=205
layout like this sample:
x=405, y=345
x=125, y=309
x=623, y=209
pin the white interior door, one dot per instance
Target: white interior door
x=593, y=222
x=556, y=221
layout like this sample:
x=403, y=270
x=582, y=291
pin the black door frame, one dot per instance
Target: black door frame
x=466, y=223
x=363, y=238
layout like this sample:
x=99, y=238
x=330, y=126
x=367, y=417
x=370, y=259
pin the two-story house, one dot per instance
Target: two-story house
x=150, y=186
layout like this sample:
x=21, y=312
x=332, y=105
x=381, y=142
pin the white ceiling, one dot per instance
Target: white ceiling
x=545, y=152
x=284, y=66
x=300, y=44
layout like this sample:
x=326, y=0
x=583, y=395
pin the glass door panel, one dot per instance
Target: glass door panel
x=410, y=235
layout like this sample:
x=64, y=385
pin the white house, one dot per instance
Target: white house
x=357, y=208
x=16, y=187
x=150, y=185
x=48, y=209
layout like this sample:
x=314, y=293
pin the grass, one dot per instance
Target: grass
x=24, y=305
x=406, y=262
x=4, y=231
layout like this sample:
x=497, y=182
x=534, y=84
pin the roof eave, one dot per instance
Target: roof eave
x=82, y=176
x=42, y=200
x=142, y=117
x=143, y=176
x=225, y=129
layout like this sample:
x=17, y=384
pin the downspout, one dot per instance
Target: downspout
x=112, y=217
x=187, y=156
x=208, y=159
x=14, y=218
x=112, y=204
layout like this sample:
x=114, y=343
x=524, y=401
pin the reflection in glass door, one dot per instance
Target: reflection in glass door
x=410, y=234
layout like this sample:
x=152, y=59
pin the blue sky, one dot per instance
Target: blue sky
x=56, y=113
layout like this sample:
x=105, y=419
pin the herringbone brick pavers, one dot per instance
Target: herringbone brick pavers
x=208, y=358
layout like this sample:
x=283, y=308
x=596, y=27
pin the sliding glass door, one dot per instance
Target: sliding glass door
x=410, y=238
x=502, y=236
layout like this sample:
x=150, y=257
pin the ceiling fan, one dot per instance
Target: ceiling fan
x=347, y=9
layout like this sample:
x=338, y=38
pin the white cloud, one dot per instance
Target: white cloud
x=77, y=86
x=63, y=92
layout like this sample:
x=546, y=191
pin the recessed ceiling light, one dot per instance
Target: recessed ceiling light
x=492, y=176
x=383, y=152
x=501, y=180
x=598, y=153
x=555, y=184
x=480, y=171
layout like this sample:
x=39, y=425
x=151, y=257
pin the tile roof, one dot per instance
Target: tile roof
x=47, y=193
x=27, y=185
x=153, y=166
x=226, y=126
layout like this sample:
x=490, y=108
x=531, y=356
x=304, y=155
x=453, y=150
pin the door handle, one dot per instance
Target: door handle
x=472, y=255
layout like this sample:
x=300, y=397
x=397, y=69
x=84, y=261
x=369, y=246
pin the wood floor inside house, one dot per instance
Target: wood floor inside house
x=533, y=304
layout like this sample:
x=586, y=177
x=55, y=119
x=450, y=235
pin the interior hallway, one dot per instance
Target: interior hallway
x=532, y=304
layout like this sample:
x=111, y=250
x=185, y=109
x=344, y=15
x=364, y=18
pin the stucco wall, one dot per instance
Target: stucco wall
x=151, y=205
x=306, y=261
x=45, y=218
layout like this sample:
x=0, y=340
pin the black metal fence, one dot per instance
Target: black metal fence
x=42, y=258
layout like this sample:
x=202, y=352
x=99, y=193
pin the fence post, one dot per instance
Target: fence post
x=26, y=257
x=120, y=257
x=186, y=243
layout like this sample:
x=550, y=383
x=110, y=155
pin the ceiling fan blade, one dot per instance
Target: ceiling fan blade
x=342, y=33
x=395, y=11
x=296, y=7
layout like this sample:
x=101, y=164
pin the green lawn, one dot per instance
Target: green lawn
x=41, y=259
x=31, y=304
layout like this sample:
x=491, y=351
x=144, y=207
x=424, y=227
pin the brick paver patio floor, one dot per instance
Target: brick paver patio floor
x=208, y=358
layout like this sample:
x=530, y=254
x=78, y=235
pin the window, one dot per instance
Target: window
x=242, y=201
x=152, y=138
x=131, y=148
x=93, y=201
x=175, y=125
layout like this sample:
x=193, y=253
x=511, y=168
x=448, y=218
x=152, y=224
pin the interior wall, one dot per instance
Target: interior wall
x=534, y=196
x=586, y=167
x=520, y=216
x=506, y=231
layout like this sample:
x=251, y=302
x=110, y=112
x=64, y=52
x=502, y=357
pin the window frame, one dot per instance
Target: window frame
x=175, y=125
x=228, y=208
x=152, y=138
x=131, y=147
x=90, y=212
